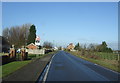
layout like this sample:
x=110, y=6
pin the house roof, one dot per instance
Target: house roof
x=70, y=46
x=32, y=46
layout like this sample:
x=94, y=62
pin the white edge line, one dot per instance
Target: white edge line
x=45, y=77
x=107, y=68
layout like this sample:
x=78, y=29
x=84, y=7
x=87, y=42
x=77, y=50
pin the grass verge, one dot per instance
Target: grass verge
x=38, y=56
x=12, y=67
x=107, y=63
x=2, y=54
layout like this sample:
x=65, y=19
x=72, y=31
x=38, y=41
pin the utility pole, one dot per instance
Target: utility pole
x=118, y=55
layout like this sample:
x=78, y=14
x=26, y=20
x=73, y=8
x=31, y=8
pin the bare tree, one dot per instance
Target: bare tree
x=47, y=44
x=17, y=35
x=91, y=47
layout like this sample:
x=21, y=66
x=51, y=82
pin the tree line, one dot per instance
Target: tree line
x=92, y=47
x=22, y=35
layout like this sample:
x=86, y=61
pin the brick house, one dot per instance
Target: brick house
x=33, y=49
x=71, y=46
x=32, y=46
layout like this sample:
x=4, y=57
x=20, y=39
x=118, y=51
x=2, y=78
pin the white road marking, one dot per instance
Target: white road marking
x=107, y=69
x=95, y=64
x=45, y=77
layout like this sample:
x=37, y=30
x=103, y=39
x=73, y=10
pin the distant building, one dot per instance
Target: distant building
x=33, y=49
x=71, y=46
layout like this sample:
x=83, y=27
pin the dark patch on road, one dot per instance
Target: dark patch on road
x=59, y=66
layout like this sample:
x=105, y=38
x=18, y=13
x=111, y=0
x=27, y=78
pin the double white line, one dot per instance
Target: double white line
x=45, y=77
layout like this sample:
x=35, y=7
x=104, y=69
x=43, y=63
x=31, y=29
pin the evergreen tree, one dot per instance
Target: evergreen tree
x=77, y=46
x=32, y=35
x=103, y=48
x=110, y=50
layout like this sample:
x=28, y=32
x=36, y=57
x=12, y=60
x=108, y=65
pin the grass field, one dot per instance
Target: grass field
x=108, y=60
x=109, y=56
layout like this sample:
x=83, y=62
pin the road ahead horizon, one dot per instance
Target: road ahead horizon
x=67, y=67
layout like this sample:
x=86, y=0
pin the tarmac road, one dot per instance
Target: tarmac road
x=67, y=67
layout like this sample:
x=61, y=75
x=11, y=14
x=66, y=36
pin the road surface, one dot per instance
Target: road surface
x=66, y=67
